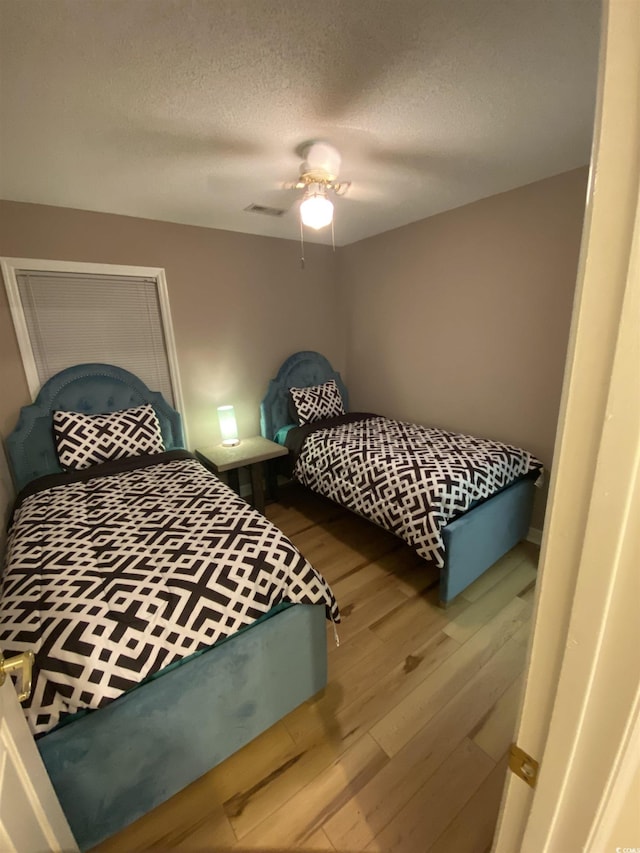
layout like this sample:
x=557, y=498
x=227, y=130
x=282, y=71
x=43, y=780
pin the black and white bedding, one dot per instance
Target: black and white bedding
x=409, y=479
x=115, y=572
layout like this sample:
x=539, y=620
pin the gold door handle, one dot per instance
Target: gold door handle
x=21, y=664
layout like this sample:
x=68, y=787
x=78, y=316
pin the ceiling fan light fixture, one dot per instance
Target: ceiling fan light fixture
x=321, y=161
x=316, y=211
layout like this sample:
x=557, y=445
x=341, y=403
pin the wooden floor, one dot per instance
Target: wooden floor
x=406, y=748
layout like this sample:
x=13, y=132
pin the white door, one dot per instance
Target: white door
x=31, y=820
x=581, y=710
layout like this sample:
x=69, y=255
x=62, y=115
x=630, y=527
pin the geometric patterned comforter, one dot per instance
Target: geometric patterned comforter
x=409, y=479
x=109, y=579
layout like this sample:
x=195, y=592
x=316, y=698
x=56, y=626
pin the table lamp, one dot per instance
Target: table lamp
x=228, y=426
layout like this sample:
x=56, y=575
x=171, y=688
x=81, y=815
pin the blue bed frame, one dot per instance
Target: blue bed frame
x=111, y=766
x=472, y=542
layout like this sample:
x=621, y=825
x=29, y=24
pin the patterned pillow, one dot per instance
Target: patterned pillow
x=85, y=440
x=317, y=402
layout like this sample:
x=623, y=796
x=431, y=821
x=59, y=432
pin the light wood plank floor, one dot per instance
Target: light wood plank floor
x=406, y=748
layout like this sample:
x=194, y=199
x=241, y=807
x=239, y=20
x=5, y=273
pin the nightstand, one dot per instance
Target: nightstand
x=251, y=453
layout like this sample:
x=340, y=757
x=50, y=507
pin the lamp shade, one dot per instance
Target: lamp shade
x=228, y=426
x=316, y=211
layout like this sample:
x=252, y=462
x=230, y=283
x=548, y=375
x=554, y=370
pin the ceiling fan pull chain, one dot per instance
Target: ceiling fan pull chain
x=301, y=246
x=333, y=237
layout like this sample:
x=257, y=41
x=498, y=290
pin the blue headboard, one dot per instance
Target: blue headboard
x=300, y=370
x=89, y=388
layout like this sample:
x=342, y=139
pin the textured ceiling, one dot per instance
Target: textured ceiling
x=190, y=110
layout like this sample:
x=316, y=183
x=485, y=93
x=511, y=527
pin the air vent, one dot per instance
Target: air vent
x=265, y=211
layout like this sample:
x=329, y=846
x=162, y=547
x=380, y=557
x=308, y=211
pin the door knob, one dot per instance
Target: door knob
x=21, y=664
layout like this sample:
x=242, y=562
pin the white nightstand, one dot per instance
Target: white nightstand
x=251, y=453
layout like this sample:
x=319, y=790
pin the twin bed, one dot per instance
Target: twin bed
x=171, y=622
x=459, y=501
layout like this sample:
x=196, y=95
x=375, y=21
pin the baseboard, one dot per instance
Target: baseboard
x=534, y=535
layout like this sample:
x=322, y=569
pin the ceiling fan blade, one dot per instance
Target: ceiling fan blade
x=439, y=165
x=360, y=51
x=180, y=142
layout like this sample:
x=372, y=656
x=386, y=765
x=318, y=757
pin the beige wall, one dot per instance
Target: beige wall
x=240, y=303
x=462, y=320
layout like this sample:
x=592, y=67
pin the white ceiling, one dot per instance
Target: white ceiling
x=190, y=110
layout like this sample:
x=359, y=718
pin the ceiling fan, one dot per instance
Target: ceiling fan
x=319, y=176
